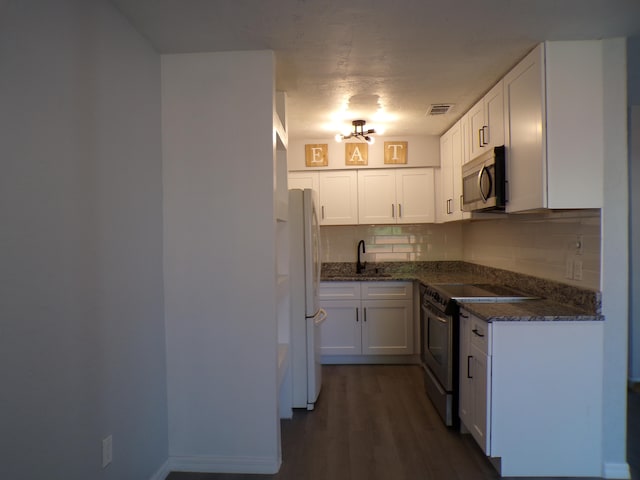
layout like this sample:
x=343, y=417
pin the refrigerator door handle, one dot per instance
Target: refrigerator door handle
x=320, y=318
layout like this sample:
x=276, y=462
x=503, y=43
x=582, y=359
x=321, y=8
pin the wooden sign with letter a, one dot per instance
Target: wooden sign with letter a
x=356, y=154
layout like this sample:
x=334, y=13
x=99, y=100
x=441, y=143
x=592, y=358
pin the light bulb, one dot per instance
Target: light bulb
x=338, y=137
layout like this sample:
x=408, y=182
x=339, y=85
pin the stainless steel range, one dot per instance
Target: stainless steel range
x=439, y=323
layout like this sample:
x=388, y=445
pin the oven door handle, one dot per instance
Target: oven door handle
x=435, y=313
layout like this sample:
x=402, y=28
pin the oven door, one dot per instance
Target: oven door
x=437, y=331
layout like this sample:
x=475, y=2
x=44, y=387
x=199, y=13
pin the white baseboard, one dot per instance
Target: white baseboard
x=162, y=472
x=616, y=470
x=215, y=464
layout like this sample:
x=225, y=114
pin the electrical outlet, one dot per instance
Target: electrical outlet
x=568, y=268
x=107, y=450
x=577, y=269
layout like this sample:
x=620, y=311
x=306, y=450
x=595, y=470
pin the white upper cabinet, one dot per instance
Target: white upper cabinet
x=452, y=148
x=486, y=122
x=337, y=193
x=388, y=196
x=338, y=197
x=415, y=195
x=377, y=196
x=304, y=180
x=554, y=127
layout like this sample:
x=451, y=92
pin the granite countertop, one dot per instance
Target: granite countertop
x=541, y=310
x=557, y=301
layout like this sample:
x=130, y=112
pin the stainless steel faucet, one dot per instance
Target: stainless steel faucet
x=359, y=265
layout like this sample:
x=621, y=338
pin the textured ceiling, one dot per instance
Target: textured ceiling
x=381, y=60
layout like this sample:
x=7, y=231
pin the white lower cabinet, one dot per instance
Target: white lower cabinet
x=367, y=318
x=475, y=372
x=531, y=394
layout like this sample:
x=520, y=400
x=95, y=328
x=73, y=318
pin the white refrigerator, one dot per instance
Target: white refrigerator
x=306, y=314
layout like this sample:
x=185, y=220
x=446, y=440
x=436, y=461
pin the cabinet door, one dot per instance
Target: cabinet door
x=465, y=130
x=476, y=125
x=480, y=366
x=465, y=400
x=445, y=202
x=387, y=327
x=524, y=125
x=338, y=198
x=494, y=116
x=377, y=196
x=340, y=333
x=415, y=195
x=486, y=120
x=304, y=180
x=456, y=173
x=451, y=174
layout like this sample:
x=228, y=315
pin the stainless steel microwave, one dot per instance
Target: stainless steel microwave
x=484, y=182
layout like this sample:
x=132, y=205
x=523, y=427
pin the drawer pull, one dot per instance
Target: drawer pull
x=469, y=357
x=475, y=330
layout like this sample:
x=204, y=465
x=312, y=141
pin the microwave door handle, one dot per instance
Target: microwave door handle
x=484, y=170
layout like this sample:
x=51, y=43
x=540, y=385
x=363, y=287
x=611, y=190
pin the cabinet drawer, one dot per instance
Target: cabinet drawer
x=339, y=290
x=479, y=334
x=387, y=290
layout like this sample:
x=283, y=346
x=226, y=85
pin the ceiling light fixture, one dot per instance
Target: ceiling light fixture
x=359, y=133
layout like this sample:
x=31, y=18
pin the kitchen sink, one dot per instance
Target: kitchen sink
x=373, y=275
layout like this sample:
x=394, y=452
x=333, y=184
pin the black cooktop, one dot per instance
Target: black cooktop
x=476, y=293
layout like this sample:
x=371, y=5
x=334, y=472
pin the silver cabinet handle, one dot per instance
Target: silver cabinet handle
x=461, y=202
x=393, y=211
x=357, y=315
x=485, y=135
x=399, y=210
x=480, y=141
x=365, y=314
x=449, y=209
x=322, y=212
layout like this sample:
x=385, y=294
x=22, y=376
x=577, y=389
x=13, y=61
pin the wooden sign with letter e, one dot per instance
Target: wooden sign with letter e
x=356, y=154
x=395, y=152
x=316, y=155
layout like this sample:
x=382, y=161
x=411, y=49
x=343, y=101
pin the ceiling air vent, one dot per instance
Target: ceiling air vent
x=439, y=109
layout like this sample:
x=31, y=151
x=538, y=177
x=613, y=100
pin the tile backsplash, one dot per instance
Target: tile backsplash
x=392, y=243
x=541, y=244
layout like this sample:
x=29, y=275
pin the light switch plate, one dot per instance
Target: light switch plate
x=107, y=450
x=577, y=269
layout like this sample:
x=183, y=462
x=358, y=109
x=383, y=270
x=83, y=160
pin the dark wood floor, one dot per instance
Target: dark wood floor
x=374, y=422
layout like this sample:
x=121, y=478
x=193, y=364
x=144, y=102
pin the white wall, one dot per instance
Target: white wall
x=615, y=258
x=219, y=261
x=82, y=351
x=423, y=151
x=633, y=82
